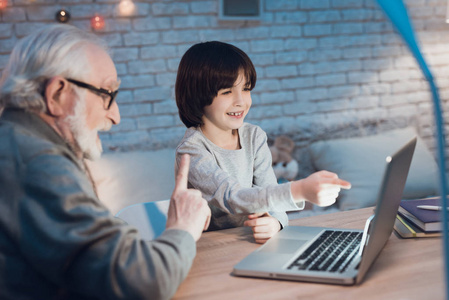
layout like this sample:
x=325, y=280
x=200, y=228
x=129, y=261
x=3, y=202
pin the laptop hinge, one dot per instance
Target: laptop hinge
x=366, y=235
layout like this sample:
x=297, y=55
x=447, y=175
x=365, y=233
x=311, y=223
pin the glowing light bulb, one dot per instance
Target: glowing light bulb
x=97, y=22
x=126, y=7
x=3, y=4
x=62, y=16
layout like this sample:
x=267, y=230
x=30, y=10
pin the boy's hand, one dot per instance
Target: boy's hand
x=320, y=188
x=263, y=225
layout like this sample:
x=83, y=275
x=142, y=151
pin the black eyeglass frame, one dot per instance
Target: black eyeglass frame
x=112, y=94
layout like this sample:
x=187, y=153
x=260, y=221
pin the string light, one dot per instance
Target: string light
x=97, y=22
x=126, y=7
x=62, y=16
x=3, y=4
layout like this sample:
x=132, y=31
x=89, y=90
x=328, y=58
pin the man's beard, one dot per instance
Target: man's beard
x=86, y=139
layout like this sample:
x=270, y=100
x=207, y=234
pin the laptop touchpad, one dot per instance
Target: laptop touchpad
x=283, y=245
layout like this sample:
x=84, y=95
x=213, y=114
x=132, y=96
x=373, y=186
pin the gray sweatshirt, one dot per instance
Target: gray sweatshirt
x=236, y=182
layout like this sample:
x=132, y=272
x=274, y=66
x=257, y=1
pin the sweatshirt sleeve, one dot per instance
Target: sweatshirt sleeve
x=264, y=174
x=224, y=191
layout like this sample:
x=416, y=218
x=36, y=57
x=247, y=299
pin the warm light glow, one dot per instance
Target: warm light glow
x=3, y=4
x=62, y=16
x=126, y=7
x=97, y=22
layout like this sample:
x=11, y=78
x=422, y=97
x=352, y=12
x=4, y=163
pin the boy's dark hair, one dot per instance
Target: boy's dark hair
x=205, y=69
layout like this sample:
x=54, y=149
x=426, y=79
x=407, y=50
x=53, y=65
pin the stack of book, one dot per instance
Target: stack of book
x=419, y=218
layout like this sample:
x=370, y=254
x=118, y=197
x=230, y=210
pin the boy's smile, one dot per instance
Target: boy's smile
x=236, y=114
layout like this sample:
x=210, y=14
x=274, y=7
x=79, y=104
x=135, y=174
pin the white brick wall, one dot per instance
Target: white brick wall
x=328, y=68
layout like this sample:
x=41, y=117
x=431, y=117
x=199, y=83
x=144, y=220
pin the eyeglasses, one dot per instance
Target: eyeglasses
x=108, y=96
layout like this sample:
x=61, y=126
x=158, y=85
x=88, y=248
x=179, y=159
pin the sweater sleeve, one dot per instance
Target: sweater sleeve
x=72, y=240
x=264, y=174
x=224, y=191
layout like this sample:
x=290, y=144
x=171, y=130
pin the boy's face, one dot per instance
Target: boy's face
x=229, y=108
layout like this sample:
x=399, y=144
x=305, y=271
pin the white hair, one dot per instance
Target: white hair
x=56, y=50
x=85, y=138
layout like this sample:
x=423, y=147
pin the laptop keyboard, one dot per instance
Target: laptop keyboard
x=332, y=251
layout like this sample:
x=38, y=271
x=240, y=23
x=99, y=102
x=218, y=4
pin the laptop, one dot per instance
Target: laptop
x=332, y=255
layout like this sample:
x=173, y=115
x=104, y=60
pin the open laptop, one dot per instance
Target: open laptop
x=309, y=253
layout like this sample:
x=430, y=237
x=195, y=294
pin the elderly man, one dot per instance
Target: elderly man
x=57, y=240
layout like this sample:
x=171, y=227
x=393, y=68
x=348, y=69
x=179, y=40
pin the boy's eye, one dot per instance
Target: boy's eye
x=247, y=89
x=226, y=92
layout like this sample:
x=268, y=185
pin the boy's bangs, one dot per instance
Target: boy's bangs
x=229, y=74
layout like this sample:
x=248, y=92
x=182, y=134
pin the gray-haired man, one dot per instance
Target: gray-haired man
x=56, y=238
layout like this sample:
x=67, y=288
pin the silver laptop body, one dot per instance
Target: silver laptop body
x=292, y=254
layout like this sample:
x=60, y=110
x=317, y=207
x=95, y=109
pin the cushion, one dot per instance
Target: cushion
x=361, y=162
x=125, y=178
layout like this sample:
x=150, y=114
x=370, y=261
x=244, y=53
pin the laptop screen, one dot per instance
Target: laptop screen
x=390, y=195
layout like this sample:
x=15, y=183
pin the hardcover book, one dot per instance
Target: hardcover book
x=406, y=229
x=427, y=220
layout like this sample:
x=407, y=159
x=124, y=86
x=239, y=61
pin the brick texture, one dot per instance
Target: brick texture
x=326, y=69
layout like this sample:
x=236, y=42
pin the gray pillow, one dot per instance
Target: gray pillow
x=361, y=161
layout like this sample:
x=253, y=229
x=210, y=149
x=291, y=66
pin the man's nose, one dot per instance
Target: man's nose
x=114, y=113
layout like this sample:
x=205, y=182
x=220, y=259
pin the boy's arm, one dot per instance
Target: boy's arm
x=224, y=191
x=281, y=216
x=264, y=173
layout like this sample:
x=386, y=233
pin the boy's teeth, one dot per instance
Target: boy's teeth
x=234, y=114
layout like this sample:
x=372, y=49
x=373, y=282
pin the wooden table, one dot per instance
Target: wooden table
x=405, y=269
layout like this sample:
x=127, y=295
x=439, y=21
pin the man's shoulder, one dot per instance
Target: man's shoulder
x=16, y=142
x=35, y=159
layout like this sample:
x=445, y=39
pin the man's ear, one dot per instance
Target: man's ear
x=57, y=96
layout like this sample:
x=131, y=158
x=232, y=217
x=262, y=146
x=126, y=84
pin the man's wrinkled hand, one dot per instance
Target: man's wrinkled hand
x=188, y=210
